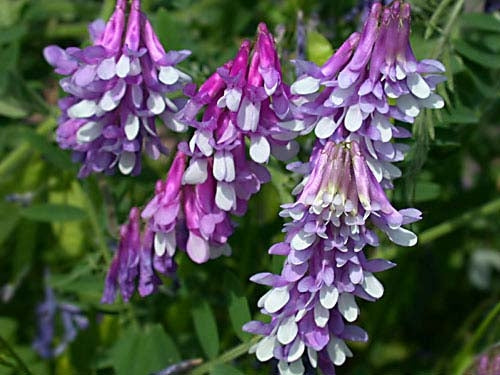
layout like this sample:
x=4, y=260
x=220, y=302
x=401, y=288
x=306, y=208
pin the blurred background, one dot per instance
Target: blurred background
x=441, y=308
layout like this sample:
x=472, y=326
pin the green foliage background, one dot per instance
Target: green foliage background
x=441, y=306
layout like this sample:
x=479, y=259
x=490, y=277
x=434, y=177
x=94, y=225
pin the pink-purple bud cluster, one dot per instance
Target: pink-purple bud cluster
x=245, y=99
x=211, y=177
x=351, y=102
x=116, y=88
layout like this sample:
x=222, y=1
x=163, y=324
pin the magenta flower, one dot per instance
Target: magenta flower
x=116, y=88
x=185, y=216
x=191, y=209
x=139, y=258
x=179, y=216
x=125, y=266
x=246, y=98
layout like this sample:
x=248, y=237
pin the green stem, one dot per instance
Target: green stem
x=231, y=354
x=449, y=226
x=435, y=17
x=21, y=366
x=438, y=50
x=463, y=359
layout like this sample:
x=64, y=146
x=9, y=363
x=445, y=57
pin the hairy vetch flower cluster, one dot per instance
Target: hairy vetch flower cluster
x=116, y=89
x=245, y=99
x=351, y=103
x=211, y=177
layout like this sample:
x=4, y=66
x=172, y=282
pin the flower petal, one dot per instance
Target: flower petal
x=260, y=150
x=306, y=85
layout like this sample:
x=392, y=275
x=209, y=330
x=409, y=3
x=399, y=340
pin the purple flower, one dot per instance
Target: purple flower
x=312, y=302
x=209, y=227
x=135, y=262
x=125, y=265
x=116, y=88
x=351, y=102
x=372, y=78
x=185, y=214
x=244, y=99
x=179, y=216
x=72, y=320
x=211, y=177
x=488, y=363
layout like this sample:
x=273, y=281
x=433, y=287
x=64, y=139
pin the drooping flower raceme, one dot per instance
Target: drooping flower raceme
x=211, y=177
x=312, y=302
x=116, y=88
x=370, y=81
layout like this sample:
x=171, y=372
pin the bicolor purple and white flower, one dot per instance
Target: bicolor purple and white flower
x=372, y=79
x=351, y=103
x=245, y=99
x=185, y=216
x=312, y=302
x=116, y=88
x=180, y=216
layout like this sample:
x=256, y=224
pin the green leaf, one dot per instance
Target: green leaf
x=87, y=287
x=426, y=191
x=50, y=151
x=239, y=314
x=53, y=212
x=223, y=369
x=140, y=352
x=492, y=41
x=9, y=55
x=460, y=115
x=477, y=55
x=9, y=217
x=11, y=11
x=166, y=25
x=10, y=107
x=206, y=329
x=8, y=327
x=161, y=346
x=421, y=47
x=281, y=181
x=12, y=34
x=488, y=90
x=25, y=247
x=481, y=21
x=319, y=48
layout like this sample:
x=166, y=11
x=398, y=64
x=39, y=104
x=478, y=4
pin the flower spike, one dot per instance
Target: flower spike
x=116, y=88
